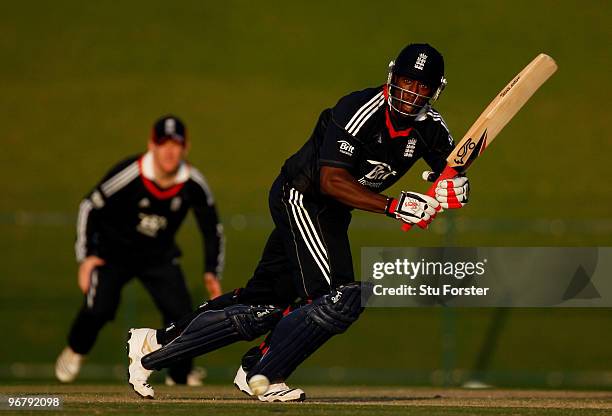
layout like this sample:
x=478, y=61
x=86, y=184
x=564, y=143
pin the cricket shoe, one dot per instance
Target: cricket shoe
x=141, y=341
x=195, y=378
x=277, y=392
x=68, y=365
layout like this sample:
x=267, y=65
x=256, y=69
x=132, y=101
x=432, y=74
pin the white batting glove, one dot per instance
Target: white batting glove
x=413, y=208
x=451, y=193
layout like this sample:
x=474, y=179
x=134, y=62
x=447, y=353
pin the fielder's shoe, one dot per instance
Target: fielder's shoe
x=141, y=341
x=195, y=378
x=476, y=384
x=68, y=365
x=277, y=392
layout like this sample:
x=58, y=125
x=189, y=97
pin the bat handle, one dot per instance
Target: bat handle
x=448, y=173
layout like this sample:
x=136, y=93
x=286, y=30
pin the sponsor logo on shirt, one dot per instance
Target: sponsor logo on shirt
x=377, y=175
x=150, y=224
x=346, y=148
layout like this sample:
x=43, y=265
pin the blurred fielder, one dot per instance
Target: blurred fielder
x=303, y=290
x=126, y=228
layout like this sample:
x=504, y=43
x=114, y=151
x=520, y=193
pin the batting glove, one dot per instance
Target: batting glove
x=450, y=193
x=412, y=208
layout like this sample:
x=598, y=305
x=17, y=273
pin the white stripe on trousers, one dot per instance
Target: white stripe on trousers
x=309, y=233
x=309, y=227
x=93, y=286
x=297, y=253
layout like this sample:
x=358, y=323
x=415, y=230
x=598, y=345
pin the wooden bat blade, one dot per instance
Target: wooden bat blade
x=501, y=110
x=495, y=117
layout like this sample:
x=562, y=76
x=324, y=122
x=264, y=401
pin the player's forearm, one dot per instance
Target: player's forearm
x=340, y=185
x=212, y=284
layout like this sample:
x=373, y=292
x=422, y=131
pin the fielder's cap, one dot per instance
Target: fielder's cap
x=169, y=127
x=421, y=62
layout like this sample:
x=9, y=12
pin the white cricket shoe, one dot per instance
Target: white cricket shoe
x=476, y=384
x=195, y=378
x=68, y=365
x=240, y=382
x=277, y=392
x=141, y=341
x=280, y=392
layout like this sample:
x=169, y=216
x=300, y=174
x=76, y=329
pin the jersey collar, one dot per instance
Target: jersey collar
x=146, y=169
x=147, y=174
x=393, y=133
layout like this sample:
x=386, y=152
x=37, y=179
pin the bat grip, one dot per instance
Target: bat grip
x=448, y=173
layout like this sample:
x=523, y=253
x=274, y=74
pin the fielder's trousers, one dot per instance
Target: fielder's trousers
x=166, y=284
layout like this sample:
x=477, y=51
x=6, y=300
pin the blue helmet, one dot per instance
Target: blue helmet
x=420, y=62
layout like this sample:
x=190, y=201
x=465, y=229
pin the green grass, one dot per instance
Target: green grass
x=314, y=410
x=106, y=399
x=82, y=83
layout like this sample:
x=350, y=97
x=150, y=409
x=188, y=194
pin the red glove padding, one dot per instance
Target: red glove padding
x=450, y=193
x=453, y=193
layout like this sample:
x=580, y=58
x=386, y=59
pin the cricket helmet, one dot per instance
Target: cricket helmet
x=420, y=62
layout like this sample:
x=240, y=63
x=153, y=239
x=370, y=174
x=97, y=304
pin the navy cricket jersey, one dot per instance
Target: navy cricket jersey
x=358, y=134
x=127, y=217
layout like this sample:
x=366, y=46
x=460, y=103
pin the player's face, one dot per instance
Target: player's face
x=168, y=156
x=411, y=95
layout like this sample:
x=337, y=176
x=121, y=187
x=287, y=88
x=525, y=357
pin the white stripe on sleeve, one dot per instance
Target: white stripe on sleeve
x=80, y=247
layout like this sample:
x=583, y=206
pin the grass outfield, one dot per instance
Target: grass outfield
x=357, y=400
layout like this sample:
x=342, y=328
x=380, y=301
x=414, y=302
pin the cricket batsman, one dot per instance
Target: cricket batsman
x=303, y=290
x=126, y=227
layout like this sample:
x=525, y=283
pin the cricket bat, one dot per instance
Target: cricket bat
x=493, y=119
